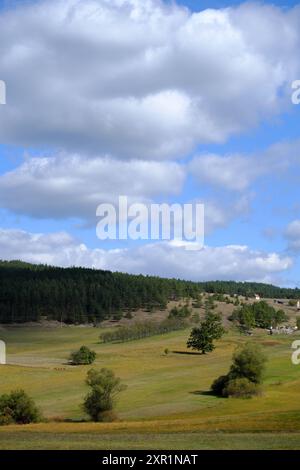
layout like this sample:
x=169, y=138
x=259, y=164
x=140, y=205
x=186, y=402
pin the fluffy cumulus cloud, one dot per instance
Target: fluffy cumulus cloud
x=162, y=258
x=73, y=186
x=140, y=78
x=70, y=186
x=119, y=93
x=238, y=172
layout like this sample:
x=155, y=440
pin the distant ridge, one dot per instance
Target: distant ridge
x=30, y=292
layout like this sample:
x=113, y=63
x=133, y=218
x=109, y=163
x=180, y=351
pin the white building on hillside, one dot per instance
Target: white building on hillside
x=2, y=353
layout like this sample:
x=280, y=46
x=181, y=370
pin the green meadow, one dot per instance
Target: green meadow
x=167, y=404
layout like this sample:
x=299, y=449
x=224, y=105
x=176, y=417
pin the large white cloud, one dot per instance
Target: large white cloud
x=168, y=259
x=139, y=79
x=72, y=186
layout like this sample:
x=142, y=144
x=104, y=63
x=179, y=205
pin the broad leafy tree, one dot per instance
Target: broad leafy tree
x=105, y=387
x=203, y=336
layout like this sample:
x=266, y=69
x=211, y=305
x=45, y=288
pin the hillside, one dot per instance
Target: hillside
x=78, y=295
x=167, y=404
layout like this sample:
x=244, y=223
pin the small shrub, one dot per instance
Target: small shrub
x=181, y=312
x=241, y=388
x=17, y=407
x=166, y=351
x=83, y=356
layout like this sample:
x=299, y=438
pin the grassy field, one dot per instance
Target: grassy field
x=167, y=403
x=176, y=441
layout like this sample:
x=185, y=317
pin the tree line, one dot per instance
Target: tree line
x=78, y=295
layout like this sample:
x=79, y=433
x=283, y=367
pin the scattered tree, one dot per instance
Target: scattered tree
x=84, y=355
x=202, y=337
x=99, y=403
x=245, y=317
x=259, y=314
x=17, y=407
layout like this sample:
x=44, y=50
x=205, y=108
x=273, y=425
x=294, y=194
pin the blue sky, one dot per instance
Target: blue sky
x=163, y=106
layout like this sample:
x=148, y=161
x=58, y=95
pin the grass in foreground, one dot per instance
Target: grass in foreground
x=175, y=441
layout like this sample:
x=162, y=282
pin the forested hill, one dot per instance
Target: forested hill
x=77, y=295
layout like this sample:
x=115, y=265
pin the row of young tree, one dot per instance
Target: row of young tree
x=140, y=330
x=78, y=295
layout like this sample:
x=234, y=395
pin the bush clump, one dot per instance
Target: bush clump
x=18, y=408
x=241, y=388
x=245, y=374
x=83, y=356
